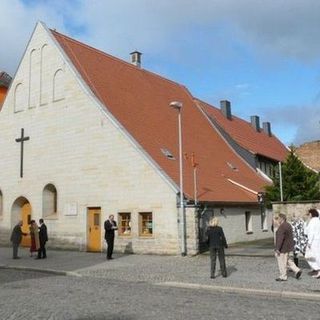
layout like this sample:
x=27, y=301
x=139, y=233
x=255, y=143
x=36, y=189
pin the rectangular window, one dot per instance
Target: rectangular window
x=248, y=222
x=124, y=221
x=145, y=224
x=96, y=219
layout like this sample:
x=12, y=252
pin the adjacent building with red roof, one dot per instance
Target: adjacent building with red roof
x=257, y=145
x=309, y=154
x=101, y=138
x=5, y=80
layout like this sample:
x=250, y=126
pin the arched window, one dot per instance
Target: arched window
x=33, y=81
x=49, y=200
x=19, y=98
x=1, y=205
x=44, y=75
x=58, y=85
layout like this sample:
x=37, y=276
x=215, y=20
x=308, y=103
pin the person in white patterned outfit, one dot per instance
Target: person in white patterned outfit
x=300, y=239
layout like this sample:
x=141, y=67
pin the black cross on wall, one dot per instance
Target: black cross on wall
x=22, y=139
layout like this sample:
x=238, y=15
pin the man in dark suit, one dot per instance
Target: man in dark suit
x=43, y=238
x=285, y=245
x=16, y=237
x=110, y=226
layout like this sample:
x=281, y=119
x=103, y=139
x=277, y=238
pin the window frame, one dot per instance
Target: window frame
x=129, y=224
x=141, y=220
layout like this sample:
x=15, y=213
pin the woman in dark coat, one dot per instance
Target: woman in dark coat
x=217, y=242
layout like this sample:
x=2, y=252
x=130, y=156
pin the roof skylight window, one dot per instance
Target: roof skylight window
x=232, y=167
x=168, y=154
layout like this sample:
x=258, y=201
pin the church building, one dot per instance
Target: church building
x=84, y=135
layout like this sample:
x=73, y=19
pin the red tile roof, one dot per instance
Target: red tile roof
x=246, y=136
x=309, y=154
x=139, y=100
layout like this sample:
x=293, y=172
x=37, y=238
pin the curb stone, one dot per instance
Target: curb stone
x=48, y=271
x=248, y=291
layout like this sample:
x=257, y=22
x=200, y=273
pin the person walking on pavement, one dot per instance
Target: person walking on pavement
x=313, y=246
x=43, y=238
x=217, y=242
x=110, y=226
x=299, y=237
x=16, y=237
x=285, y=245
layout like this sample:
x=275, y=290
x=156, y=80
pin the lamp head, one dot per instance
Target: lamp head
x=176, y=104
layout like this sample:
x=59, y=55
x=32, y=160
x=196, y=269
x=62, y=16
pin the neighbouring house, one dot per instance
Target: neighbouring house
x=5, y=80
x=257, y=145
x=87, y=135
x=309, y=154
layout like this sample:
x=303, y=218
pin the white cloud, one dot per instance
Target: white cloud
x=306, y=119
x=180, y=28
x=193, y=34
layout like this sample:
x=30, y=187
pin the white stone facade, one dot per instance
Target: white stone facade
x=74, y=146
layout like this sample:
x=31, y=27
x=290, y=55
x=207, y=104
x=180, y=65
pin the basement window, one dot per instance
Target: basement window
x=168, y=154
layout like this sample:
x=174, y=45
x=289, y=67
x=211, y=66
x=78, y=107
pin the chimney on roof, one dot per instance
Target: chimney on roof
x=225, y=107
x=267, y=128
x=255, y=123
x=136, y=58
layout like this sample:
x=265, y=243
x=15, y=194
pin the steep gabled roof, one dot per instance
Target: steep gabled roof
x=246, y=136
x=140, y=100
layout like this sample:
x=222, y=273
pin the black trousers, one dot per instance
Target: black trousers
x=42, y=252
x=15, y=247
x=213, y=255
x=110, y=242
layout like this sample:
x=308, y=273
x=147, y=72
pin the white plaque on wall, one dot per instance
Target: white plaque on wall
x=71, y=209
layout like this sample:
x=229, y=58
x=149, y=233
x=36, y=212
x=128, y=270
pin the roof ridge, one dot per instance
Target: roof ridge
x=234, y=116
x=114, y=57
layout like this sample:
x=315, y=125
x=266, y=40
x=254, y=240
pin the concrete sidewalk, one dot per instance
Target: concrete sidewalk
x=257, y=248
x=248, y=275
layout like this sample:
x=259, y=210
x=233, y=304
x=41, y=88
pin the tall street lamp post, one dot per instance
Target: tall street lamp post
x=178, y=106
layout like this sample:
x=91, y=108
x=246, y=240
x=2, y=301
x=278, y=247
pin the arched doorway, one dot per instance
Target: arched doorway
x=21, y=210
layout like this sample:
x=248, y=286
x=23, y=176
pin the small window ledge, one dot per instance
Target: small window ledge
x=249, y=232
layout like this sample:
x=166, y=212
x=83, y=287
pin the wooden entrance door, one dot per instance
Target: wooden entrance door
x=26, y=217
x=94, y=230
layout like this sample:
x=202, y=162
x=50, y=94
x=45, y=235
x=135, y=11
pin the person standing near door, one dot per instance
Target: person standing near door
x=43, y=238
x=34, y=234
x=110, y=226
x=16, y=237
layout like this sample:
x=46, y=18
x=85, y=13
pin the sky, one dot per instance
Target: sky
x=263, y=56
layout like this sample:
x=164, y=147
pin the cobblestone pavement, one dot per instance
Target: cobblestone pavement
x=244, y=272
x=33, y=295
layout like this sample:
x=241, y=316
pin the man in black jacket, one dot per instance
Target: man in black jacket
x=16, y=237
x=217, y=242
x=110, y=226
x=43, y=238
